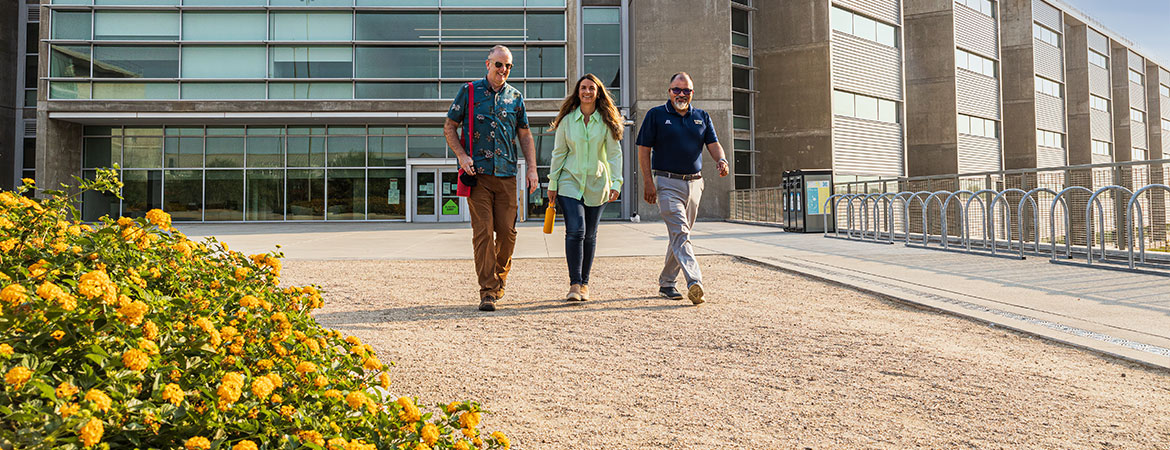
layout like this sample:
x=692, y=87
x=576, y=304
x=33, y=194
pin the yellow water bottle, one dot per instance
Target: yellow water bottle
x=550, y=215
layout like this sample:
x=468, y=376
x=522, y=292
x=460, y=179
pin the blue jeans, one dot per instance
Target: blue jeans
x=580, y=236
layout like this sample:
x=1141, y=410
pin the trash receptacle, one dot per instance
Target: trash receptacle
x=805, y=192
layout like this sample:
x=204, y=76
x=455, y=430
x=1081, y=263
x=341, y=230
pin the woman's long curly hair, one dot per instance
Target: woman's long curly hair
x=609, y=112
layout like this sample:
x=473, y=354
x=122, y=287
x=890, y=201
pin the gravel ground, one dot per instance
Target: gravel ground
x=772, y=360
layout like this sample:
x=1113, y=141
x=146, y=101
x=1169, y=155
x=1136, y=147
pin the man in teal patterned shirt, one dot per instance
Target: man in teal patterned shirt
x=499, y=122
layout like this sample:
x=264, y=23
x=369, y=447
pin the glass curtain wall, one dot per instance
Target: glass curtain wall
x=601, y=48
x=369, y=51
x=743, y=95
x=257, y=173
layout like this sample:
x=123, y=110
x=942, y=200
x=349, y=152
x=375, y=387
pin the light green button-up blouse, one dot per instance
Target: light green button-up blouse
x=586, y=160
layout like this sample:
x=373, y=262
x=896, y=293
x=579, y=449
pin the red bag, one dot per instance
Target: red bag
x=462, y=189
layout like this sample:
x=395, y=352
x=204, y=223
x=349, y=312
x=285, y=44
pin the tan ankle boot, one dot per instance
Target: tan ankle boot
x=584, y=292
x=574, y=293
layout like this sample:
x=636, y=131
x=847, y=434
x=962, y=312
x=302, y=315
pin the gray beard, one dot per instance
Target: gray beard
x=681, y=106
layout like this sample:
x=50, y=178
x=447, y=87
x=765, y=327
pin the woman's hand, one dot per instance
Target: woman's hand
x=552, y=197
x=613, y=195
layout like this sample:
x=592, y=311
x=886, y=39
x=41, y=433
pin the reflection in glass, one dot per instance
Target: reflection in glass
x=426, y=143
x=387, y=194
x=467, y=62
x=310, y=90
x=69, y=61
x=546, y=62
x=183, y=152
x=398, y=90
x=225, y=195
x=347, y=194
x=397, y=62
x=66, y=90
x=537, y=201
x=135, y=91
x=183, y=192
x=424, y=194
x=220, y=91
x=305, y=151
x=225, y=151
x=387, y=151
x=347, y=151
x=135, y=62
x=398, y=2
x=265, y=151
x=483, y=26
x=224, y=26
x=553, y=89
x=71, y=25
x=265, y=195
x=311, y=26
x=306, y=194
x=136, y=26
x=603, y=39
x=311, y=62
x=397, y=26
x=143, y=152
x=224, y=62
x=545, y=26
x=101, y=152
x=95, y=204
x=607, y=69
x=141, y=192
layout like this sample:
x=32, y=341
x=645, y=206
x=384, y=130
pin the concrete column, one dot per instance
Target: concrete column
x=10, y=102
x=58, y=152
x=692, y=36
x=1018, y=84
x=1076, y=75
x=1154, y=114
x=931, y=105
x=794, y=114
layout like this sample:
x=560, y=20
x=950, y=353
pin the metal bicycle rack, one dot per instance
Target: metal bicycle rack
x=1129, y=208
x=1030, y=197
x=1101, y=215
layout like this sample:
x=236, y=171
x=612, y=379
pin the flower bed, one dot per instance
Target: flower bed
x=126, y=334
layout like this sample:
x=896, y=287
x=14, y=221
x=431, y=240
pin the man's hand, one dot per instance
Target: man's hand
x=613, y=195
x=466, y=163
x=649, y=192
x=723, y=167
x=533, y=180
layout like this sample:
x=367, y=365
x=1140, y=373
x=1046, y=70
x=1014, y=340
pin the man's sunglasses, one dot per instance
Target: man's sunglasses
x=500, y=64
x=678, y=91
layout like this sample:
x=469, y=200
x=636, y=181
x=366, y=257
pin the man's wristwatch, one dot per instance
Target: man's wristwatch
x=721, y=160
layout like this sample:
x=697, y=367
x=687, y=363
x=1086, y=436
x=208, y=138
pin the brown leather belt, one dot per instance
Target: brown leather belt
x=677, y=176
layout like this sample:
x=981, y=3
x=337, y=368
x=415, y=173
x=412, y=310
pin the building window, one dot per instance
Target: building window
x=1098, y=103
x=1135, y=76
x=742, y=97
x=1137, y=115
x=1046, y=86
x=602, y=46
x=740, y=27
x=1046, y=35
x=1098, y=59
x=1139, y=154
x=978, y=126
x=1166, y=124
x=1047, y=138
x=1164, y=90
x=860, y=106
x=984, y=7
x=975, y=63
x=863, y=27
x=1102, y=148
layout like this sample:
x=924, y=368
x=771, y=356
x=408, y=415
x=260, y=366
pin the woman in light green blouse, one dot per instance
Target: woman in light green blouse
x=586, y=173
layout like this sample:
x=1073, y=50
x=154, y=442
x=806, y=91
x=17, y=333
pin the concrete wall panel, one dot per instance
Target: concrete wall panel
x=884, y=10
x=977, y=95
x=1099, y=82
x=866, y=67
x=1101, y=126
x=976, y=32
x=979, y=154
x=1049, y=113
x=1049, y=61
x=866, y=147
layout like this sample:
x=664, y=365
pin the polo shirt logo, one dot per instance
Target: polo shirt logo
x=667, y=122
x=698, y=122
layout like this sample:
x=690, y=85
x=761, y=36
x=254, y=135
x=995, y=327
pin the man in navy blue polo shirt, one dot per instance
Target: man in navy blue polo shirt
x=670, y=146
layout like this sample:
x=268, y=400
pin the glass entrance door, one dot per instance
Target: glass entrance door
x=434, y=196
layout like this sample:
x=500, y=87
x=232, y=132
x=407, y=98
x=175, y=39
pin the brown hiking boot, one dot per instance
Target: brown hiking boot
x=695, y=293
x=574, y=294
x=584, y=292
x=487, y=303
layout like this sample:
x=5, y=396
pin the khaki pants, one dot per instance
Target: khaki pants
x=493, y=230
x=678, y=202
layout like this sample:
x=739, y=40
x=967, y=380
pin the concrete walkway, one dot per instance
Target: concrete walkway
x=1118, y=313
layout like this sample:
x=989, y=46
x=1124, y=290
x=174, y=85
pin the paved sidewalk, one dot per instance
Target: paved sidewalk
x=1118, y=313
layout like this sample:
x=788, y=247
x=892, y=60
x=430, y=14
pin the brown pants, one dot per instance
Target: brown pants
x=493, y=230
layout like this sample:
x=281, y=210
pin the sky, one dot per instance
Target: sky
x=1145, y=22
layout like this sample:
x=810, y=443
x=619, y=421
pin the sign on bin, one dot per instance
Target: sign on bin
x=817, y=192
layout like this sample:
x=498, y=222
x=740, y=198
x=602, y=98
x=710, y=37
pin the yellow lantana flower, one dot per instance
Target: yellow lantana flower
x=17, y=376
x=173, y=393
x=91, y=432
x=197, y=443
x=101, y=401
x=135, y=359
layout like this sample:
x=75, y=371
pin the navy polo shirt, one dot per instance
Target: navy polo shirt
x=677, y=140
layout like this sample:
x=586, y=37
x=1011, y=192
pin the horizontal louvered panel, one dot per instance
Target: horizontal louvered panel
x=1099, y=82
x=1137, y=133
x=34, y=13
x=866, y=67
x=1049, y=113
x=884, y=10
x=1050, y=157
x=1100, y=126
x=1102, y=159
x=1165, y=102
x=1048, y=61
x=1046, y=15
x=1137, y=96
x=1165, y=76
x=977, y=95
x=866, y=147
x=978, y=154
x=1136, y=62
x=976, y=32
x=1165, y=146
x=30, y=128
x=1098, y=42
